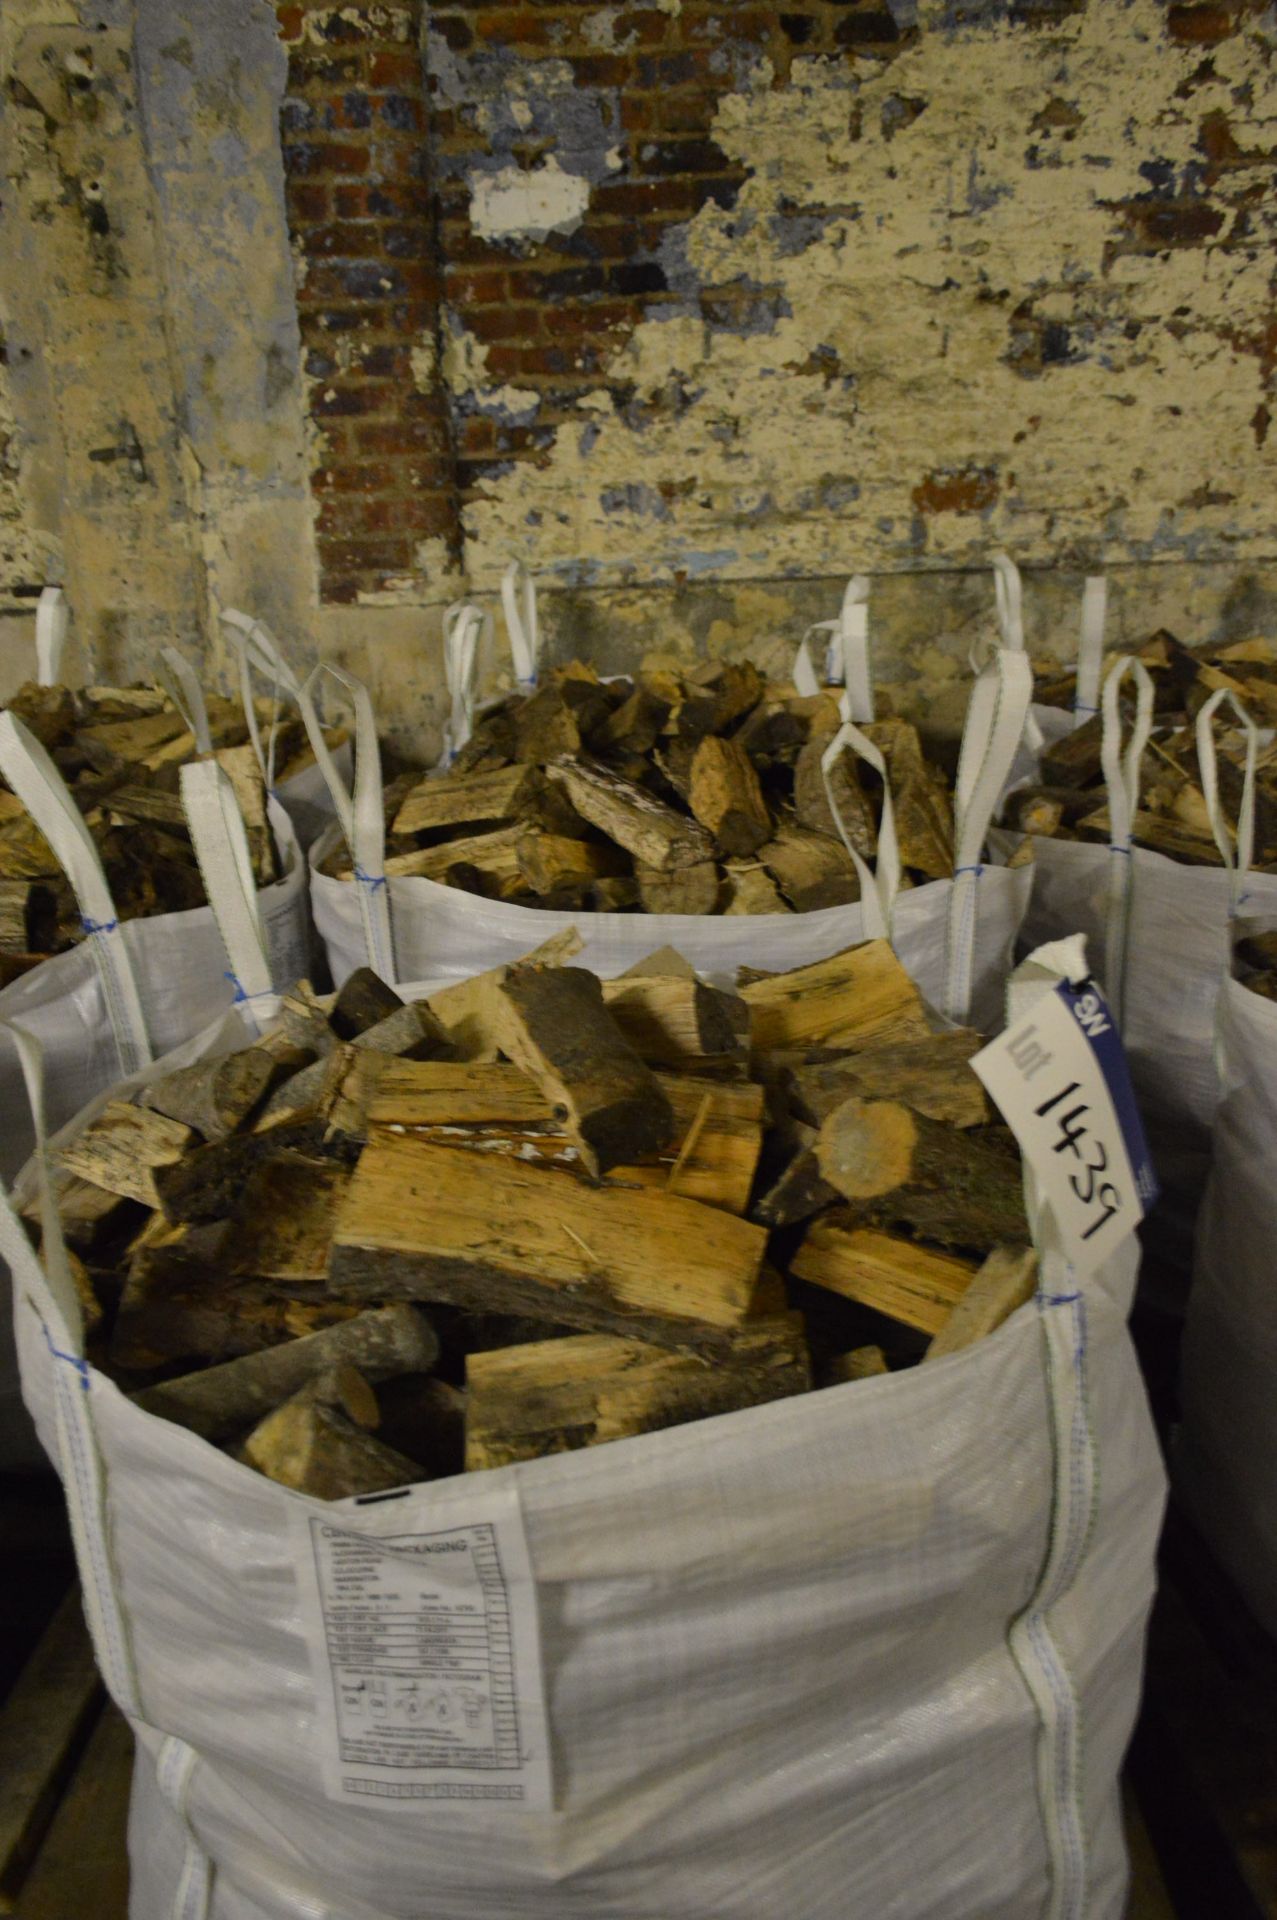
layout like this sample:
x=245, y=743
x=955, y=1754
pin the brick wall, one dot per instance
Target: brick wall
x=360, y=210
x=450, y=346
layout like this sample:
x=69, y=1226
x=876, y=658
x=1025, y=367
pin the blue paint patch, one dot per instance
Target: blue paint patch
x=636, y=498
x=708, y=562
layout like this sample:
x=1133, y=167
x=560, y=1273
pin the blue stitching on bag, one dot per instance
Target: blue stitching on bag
x=72, y=1359
x=241, y=997
x=98, y=926
x=370, y=880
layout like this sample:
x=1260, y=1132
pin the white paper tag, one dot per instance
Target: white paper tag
x=425, y=1650
x=1060, y=1079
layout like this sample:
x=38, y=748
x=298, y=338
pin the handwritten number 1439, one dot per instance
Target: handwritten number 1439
x=1073, y=1132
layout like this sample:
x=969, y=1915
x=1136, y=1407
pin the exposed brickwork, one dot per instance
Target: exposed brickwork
x=353, y=128
x=387, y=178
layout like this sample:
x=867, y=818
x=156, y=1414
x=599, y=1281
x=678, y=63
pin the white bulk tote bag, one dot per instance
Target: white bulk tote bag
x=772, y=1684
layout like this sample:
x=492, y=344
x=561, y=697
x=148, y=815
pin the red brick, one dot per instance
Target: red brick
x=515, y=27
x=289, y=21
x=342, y=396
x=312, y=157
x=394, y=70
x=504, y=323
x=477, y=289
x=383, y=552
x=348, y=476
x=401, y=436
x=307, y=201
x=1200, y=25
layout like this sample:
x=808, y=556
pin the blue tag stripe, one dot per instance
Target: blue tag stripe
x=1111, y=1058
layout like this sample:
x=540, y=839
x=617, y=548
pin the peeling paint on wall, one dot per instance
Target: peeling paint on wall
x=528, y=205
x=965, y=337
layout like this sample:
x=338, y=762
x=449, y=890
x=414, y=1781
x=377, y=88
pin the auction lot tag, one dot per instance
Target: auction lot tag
x=1060, y=1078
x=423, y=1639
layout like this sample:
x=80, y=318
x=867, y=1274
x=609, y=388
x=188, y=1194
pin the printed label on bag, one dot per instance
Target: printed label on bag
x=1060, y=1078
x=425, y=1652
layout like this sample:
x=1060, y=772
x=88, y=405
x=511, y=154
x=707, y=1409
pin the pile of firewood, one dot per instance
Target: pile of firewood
x=120, y=751
x=538, y=1211
x=1070, y=801
x=699, y=792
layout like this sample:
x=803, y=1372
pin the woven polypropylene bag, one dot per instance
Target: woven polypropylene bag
x=874, y=1650
x=1226, y=1459
x=183, y=974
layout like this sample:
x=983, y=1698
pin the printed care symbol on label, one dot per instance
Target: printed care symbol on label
x=1072, y=1132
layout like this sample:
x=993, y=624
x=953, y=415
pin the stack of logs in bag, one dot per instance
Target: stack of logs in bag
x=1069, y=800
x=674, y=793
x=120, y=751
x=538, y=1211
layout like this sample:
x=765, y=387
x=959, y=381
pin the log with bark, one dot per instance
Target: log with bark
x=1070, y=800
x=692, y=792
x=120, y=751
x=551, y=1211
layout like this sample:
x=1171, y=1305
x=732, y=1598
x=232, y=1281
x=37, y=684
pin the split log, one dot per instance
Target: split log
x=963, y=1189
x=490, y=1234
x=1074, y=759
x=915, y=1285
x=811, y=796
x=310, y=1445
x=205, y=1183
x=931, y=1074
x=545, y=727
x=467, y=799
x=363, y=999
x=920, y=799
x=282, y=1227
x=409, y=1033
x=635, y=726
x=693, y=889
x=552, y=1023
x=305, y=1099
x=442, y=1093
x=214, y=1097
x=1157, y=835
x=123, y=1149
x=1003, y=1283
x=198, y=1323
x=92, y=1217
x=711, y=1156
x=494, y=855
x=220, y=1401
x=795, y=1188
x=241, y=767
x=726, y=797
x=466, y=1009
x=529, y=1401
x=751, y=889
x=550, y=862
x=676, y=1022
x=812, y=870
x=615, y=895
x=715, y=1146
x=858, y=998
x=25, y=854
x=862, y=1363
x=15, y=903
x=635, y=819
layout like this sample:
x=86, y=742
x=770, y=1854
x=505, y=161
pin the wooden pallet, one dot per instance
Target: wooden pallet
x=66, y=1760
